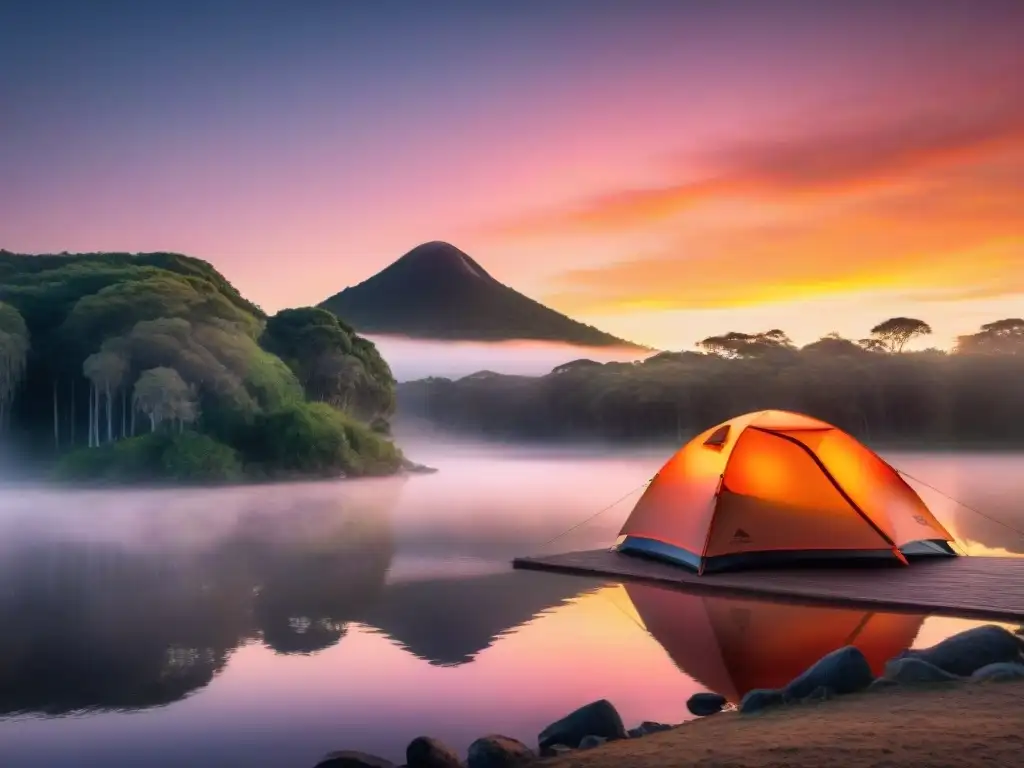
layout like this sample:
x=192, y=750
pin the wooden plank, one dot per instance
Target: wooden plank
x=987, y=588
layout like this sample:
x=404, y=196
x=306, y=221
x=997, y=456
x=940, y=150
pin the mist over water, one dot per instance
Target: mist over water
x=412, y=359
x=265, y=626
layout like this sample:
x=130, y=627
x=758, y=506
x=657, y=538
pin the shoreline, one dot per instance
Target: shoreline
x=960, y=699
x=406, y=470
x=939, y=724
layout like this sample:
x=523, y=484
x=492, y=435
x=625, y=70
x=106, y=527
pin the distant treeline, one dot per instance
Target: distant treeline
x=872, y=388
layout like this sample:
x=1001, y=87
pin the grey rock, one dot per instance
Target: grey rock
x=425, y=752
x=881, y=684
x=350, y=759
x=761, y=699
x=966, y=652
x=647, y=727
x=558, y=749
x=704, y=704
x=496, y=751
x=1001, y=672
x=598, y=718
x=843, y=671
x=589, y=742
x=911, y=671
x=819, y=694
x=636, y=733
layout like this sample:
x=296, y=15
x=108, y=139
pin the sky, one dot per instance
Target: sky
x=663, y=169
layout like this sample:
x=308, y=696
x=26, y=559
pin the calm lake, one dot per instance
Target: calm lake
x=265, y=626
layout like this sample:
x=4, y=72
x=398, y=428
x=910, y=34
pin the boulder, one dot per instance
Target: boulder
x=704, y=704
x=1000, y=672
x=843, y=671
x=910, y=671
x=760, y=699
x=496, y=751
x=425, y=752
x=647, y=727
x=965, y=653
x=598, y=718
x=589, y=742
x=556, y=750
x=350, y=759
x=819, y=694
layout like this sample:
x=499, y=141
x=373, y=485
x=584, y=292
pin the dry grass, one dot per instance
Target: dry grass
x=962, y=726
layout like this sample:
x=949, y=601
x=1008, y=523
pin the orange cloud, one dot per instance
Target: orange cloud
x=844, y=162
x=959, y=238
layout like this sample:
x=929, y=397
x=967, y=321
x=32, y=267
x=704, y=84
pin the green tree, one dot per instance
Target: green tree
x=105, y=371
x=895, y=333
x=736, y=345
x=163, y=396
x=1003, y=337
x=333, y=364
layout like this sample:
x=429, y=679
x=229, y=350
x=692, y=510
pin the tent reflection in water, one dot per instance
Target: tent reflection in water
x=732, y=646
x=778, y=488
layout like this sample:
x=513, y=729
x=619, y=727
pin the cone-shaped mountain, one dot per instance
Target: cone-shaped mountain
x=436, y=291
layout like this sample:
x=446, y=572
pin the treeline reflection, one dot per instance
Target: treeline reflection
x=99, y=625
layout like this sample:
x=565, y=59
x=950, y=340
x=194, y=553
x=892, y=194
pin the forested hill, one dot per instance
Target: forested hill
x=436, y=291
x=872, y=388
x=153, y=367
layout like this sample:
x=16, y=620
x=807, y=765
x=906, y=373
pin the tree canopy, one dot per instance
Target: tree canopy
x=894, y=334
x=332, y=363
x=89, y=342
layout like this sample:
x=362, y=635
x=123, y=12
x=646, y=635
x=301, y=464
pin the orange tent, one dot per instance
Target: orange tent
x=779, y=488
x=732, y=646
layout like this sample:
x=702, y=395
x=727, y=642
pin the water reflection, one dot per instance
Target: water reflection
x=266, y=626
x=107, y=625
x=98, y=625
x=733, y=645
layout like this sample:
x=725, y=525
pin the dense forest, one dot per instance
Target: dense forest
x=146, y=367
x=872, y=387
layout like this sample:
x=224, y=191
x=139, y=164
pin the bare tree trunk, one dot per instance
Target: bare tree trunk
x=72, y=430
x=134, y=411
x=152, y=422
x=110, y=414
x=124, y=413
x=56, y=418
x=94, y=418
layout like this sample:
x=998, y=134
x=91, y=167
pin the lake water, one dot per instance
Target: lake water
x=265, y=626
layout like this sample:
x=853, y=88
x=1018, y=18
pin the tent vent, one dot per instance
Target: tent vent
x=719, y=437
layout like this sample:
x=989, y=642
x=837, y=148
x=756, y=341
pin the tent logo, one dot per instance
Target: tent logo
x=921, y=519
x=741, y=536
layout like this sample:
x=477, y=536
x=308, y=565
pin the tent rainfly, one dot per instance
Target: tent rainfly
x=779, y=488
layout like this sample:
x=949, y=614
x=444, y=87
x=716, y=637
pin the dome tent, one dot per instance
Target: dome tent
x=778, y=488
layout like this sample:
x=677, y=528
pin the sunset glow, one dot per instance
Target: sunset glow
x=664, y=171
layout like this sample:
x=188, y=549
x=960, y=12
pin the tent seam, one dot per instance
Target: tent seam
x=835, y=483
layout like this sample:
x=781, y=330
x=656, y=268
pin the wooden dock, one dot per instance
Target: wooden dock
x=986, y=588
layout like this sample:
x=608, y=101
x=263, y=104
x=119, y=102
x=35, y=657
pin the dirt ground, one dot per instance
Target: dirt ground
x=962, y=726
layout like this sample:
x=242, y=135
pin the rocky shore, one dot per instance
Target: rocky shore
x=962, y=664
